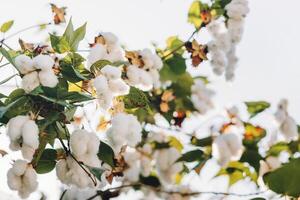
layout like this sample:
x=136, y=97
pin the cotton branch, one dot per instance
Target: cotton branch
x=105, y=195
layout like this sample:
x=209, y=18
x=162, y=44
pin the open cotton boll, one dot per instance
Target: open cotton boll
x=101, y=83
x=79, y=142
x=289, y=129
x=97, y=52
x=111, y=72
x=14, y=126
x=118, y=87
x=227, y=147
x=110, y=38
x=30, y=81
x=22, y=178
x=133, y=74
x=43, y=62
x=30, y=134
x=24, y=64
x=105, y=99
x=115, y=54
x=48, y=78
x=27, y=151
x=237, y=10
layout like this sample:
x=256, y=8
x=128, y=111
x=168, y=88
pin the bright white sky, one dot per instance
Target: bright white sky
x=268, y=68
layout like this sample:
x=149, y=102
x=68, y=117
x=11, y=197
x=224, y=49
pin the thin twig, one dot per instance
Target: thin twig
x=99, y=193
x=26, y=29
x=182, y=45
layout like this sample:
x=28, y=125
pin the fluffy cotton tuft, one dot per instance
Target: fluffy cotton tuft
x=201, y=96
x=22, y=178
x=43, y=62
x=48, y=78
x=24, y=135
x=227, y=147
x=125, y=130
x=30, y=81
x=24, y=64
x=166, y=164
x=109, y=85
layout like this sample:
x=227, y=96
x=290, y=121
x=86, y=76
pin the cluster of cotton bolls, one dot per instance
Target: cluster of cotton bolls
x=201, y=96
x=109, y=84
x=106, y=47
x=125, y=130
x=287, y=124
x=24, y=135
x=36, y=71
x=144, y=74
x=139, y=162
x=22, y=178
x=227, y=147
x=166, y=164
x=223, y=46
x=84, y=146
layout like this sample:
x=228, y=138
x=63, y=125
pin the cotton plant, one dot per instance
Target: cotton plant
x=93, y=116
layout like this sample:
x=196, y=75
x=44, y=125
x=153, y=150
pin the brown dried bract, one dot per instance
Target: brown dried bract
x=198, y=52
x=59, y=14
x=134, y=58
x=98, y=40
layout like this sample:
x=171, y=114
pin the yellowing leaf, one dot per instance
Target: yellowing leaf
x=194, y=14
x=174, y=142
x=178, y=178
x=75, y=87
x=6, y=26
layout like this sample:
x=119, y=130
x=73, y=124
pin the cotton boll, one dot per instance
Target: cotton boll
x=133, y=74
x=93, y=144
x=24, y=64
x=236, y=10
x=14, y=126
x=110, y=38
x=146, y=81
x=101, y=83
x=98, y=52
x=111, y=72
x=115, y=54
x=27, y=152
x=43, y=62
x=30, y=134
x=155, y=78
x=29, y=179
x=227, y=147
x=79, y=142
x=214, y=28
x=19, y=167
x=61, y=170
x=14, y=181
x=30, y=81
x=218, y=59
x=119, y=87
x=289, y=129
x=105, y=99
x=48, y=78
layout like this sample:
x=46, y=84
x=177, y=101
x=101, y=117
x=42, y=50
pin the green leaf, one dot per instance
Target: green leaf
x=136, y=99
x=151, y=180
x=255, y=107
x=174, y=42
x=59, y=44
x=252, y=157
x=8, y=57
x=6, y=26
x=77, y=36
x=46, y=162
x=74, y=37
x=97, y=172
x=191, y=156
x=76, y=97
x=202, y=142
x=177, y=64
x=106, y=154
x=286, y=179
x=98, y=65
